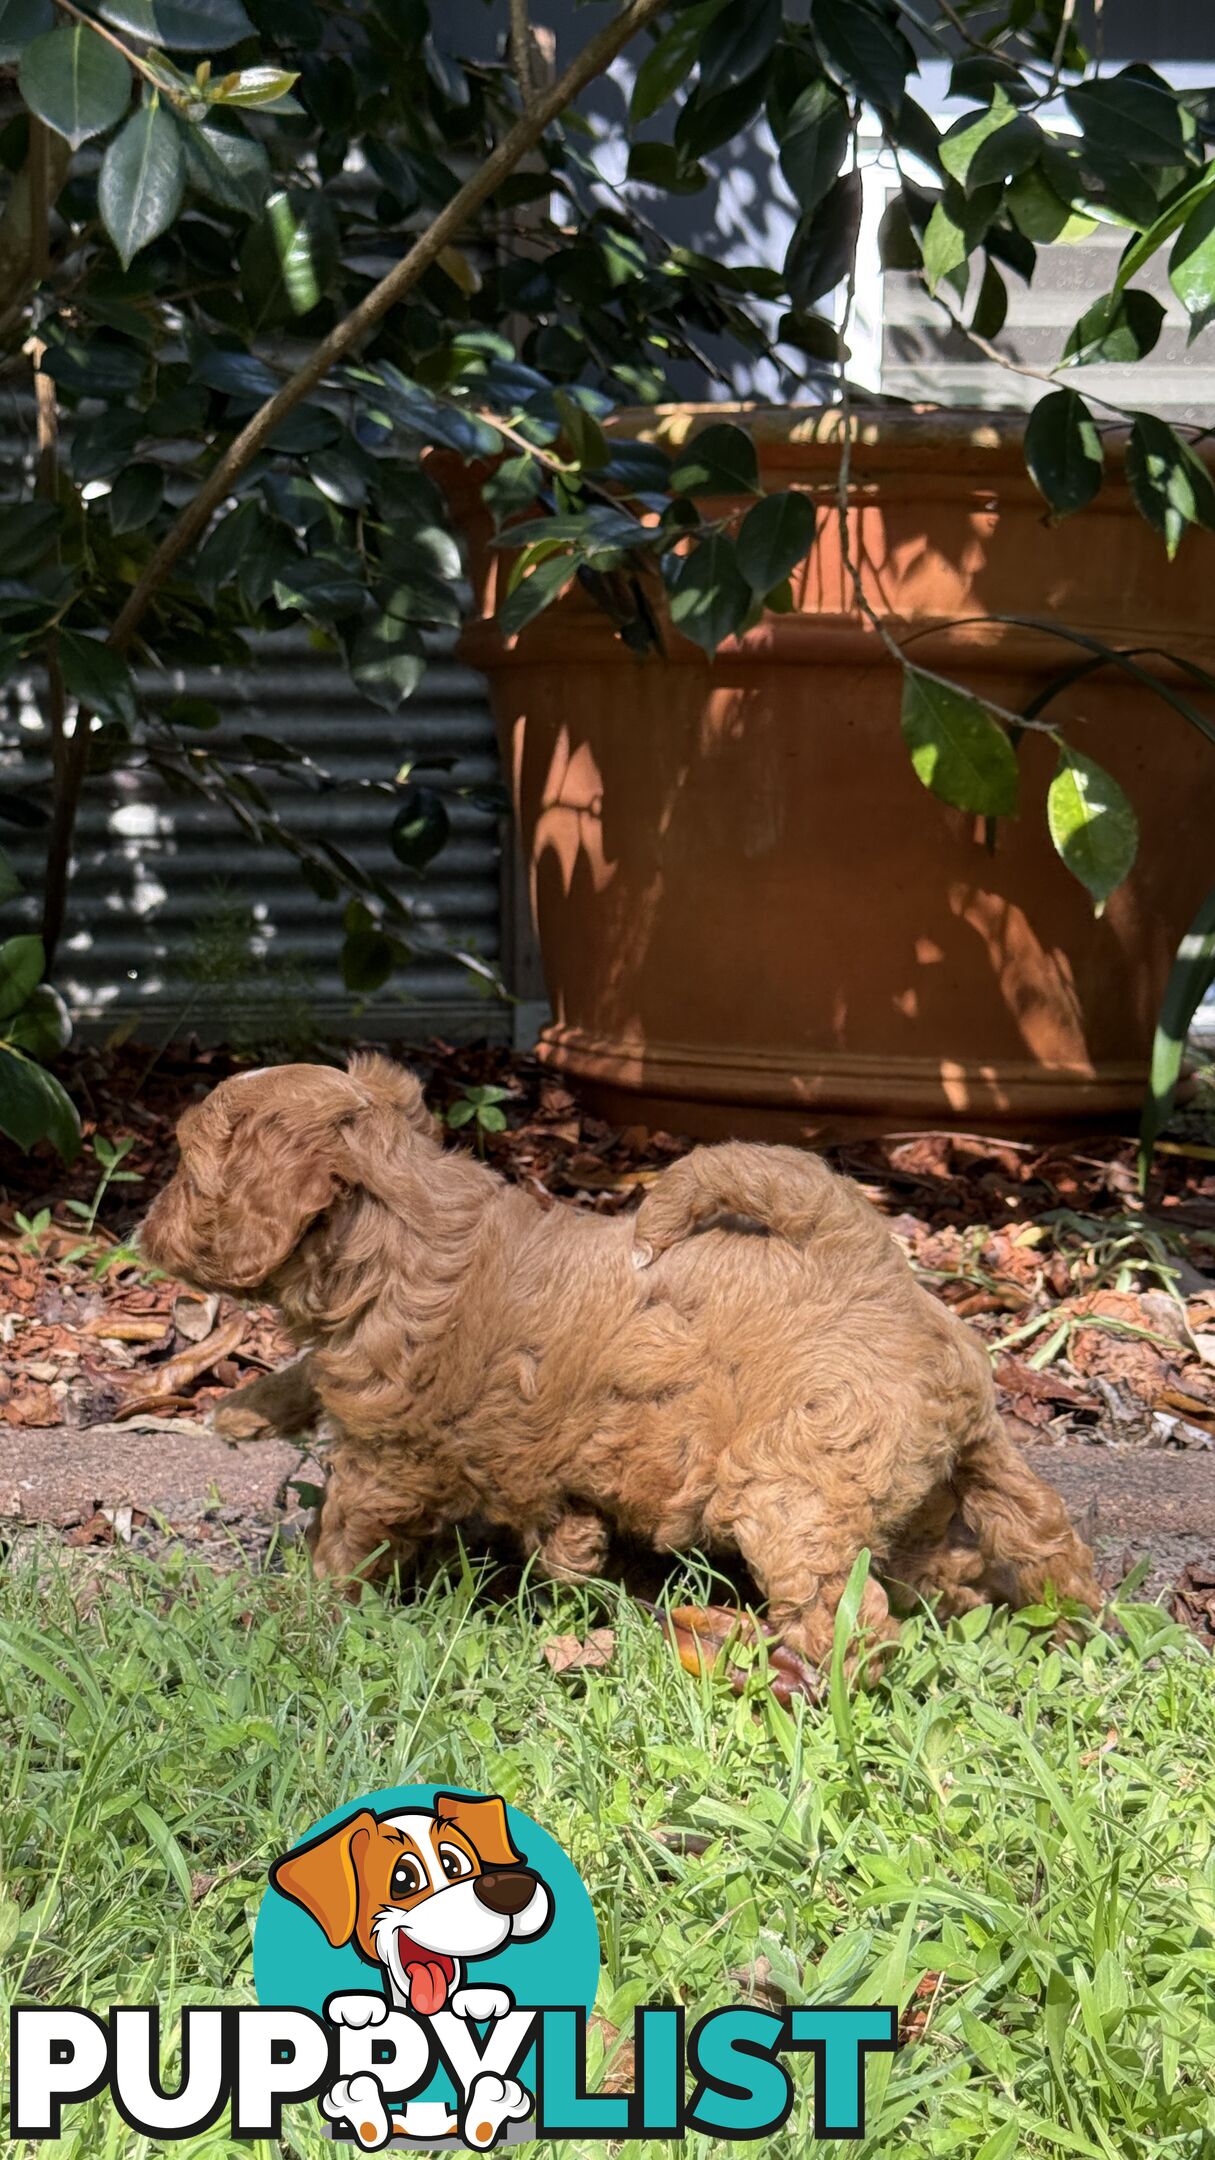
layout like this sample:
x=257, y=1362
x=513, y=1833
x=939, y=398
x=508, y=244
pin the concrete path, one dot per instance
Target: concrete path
x=1126, y=1501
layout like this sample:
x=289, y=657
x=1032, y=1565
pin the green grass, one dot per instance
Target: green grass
x=966, y=1819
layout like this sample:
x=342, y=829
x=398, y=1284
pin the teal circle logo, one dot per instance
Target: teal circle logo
x=449, y=1907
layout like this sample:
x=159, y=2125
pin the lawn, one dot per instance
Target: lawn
x=1014, y=1840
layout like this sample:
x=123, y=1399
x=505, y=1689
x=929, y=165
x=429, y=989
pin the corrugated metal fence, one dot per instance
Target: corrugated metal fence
x=180, y=918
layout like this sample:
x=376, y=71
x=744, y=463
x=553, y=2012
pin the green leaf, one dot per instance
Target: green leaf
x=1120, y=327
x=33, y=1106
x=991, y=307
x=1144, y=247
x=1092, y=825
x=291, y=239
x=1171, y=486
x=102, y=446
x=709, y=596
x=1135, y=114
x=533, y=594
x=670, y=61
x=387, y=661
x=206, y=26
x=167, y=1847
x=736, y=42
x=813, y=143
x=143, y=177
x=773, y=538
x=21, y=21
x=659, y=165
x=705, y=123
x=1010, y=151
x=868, y=50
x=1192, y=265
x=226, y=163
x=135, y=497
x=28, y=532
x=718, y=460
x=1192, y=974
x=958, y=748
x=252, y=86
x=1063, y=451
x=192, y=712
x=368, y=959
x=421, y=826
x=22, y=960
x=99, y=678
x=75, y=82
x=992, y=145
x=823, y=246
x=42, y=1028
x=582, y=432
x=944, y=246
x=1041, y=214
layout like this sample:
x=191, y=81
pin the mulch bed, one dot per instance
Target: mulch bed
x=1099, y=1308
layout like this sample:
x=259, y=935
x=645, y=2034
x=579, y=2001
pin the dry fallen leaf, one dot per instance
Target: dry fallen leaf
x=123, y=1327
x=194, y=1316
x=1094, y=1754
x=169, y=1382
x=565, y=1653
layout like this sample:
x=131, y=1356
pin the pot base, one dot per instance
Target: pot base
x=682, y=1088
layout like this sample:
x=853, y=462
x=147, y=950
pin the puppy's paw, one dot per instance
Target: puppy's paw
x=356, y=2011
x=479, y=2003
x=492, y=2103
x=360, y=2102
x=235, y=1420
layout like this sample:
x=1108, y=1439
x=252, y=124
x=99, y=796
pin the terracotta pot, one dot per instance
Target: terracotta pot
x=753, y=917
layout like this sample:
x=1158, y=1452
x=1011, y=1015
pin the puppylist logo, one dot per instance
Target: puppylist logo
x=425, y=1964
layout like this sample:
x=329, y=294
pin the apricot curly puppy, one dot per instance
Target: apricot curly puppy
x=794, y=1395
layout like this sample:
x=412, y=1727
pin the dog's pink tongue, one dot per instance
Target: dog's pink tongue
x=427, y=1988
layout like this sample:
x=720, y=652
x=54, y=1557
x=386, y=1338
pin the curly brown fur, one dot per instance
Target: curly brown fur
x=794, y=1396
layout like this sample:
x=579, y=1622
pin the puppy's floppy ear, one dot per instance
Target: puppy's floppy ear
x=393, y=1087
x=323, y=1876
x=483, y=1823
x=267, y=1178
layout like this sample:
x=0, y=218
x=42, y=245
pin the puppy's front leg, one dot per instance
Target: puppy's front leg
x=374, y=1517
x=277, y=1405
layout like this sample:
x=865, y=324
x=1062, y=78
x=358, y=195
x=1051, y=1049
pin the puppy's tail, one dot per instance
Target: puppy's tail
x=779, y=1190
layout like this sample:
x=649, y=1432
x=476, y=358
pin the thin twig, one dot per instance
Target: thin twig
x=133, y=60
x=852, y=566
x=1066, y=17
x=521, y=52
x=1049, y=377
x=68, y=753
x=595, y=56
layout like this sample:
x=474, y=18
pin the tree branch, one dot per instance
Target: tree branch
x=521, y=52
x=69, y=753
x=595, y=56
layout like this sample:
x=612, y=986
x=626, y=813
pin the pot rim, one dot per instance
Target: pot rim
x=814, y=434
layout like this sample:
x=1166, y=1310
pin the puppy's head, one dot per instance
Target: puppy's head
x=264, y=1156
x=419, y=1893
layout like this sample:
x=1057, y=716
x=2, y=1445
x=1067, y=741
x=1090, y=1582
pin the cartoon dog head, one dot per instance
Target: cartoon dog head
x=419, y=1893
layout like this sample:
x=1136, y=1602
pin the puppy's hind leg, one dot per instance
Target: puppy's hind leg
x=937, y=1558
x=1022, y=1523
x=573, y=1548
x=801, y=1555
